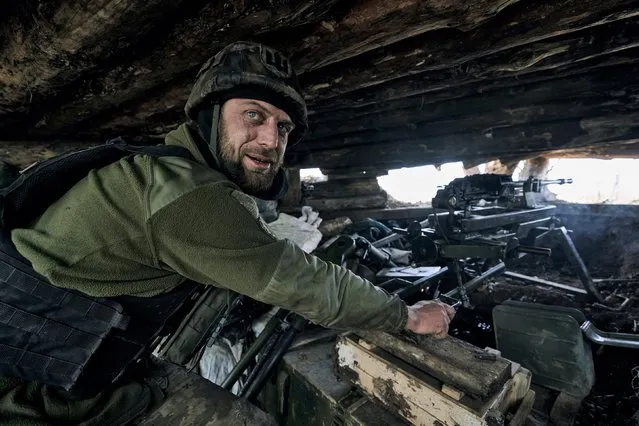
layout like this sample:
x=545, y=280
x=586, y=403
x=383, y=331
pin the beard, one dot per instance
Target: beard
x=251, y=182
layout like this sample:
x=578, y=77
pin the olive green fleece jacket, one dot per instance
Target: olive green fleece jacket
x=142, y=225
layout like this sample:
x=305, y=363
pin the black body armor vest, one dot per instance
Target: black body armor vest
x=64, y=338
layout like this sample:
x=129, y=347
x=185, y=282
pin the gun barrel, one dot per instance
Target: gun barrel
x=520, y=183
x=556, y=182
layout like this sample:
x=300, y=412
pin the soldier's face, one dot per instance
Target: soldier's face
x=252, y=140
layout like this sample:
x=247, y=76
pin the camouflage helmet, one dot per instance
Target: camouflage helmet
x=245, y=65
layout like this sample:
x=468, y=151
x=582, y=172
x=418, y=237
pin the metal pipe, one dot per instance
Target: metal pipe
x=578, y=263
x=216, y=327
x=386, y=240
x=268, y=350
x=418, y=284
x=259, y=343
x=475, y=282
x=542, y=251
x=282, y=346
x=536, y=280
x=621, y=340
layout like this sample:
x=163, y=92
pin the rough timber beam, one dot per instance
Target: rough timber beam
x=367, y=26
x=58, y=42
x=176, y=55
x=518, y=38
x=467, y=83
x=516, y=141
x=525, y=93
x=389, y=84
x=372, y=24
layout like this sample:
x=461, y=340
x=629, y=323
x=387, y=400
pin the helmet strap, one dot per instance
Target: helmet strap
x=215, y=127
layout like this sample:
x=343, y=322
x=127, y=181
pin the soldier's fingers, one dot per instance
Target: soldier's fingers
x=451, y=311
x=445, y=316
x=441, y=334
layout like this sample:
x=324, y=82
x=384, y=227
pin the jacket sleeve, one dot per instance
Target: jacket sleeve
x=213, y=235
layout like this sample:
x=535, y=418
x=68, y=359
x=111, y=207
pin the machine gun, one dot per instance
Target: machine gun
x=468, y=191
x=487, y=217
x=491, y=218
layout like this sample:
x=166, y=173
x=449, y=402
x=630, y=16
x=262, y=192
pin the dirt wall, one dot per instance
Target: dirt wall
x=607, y=236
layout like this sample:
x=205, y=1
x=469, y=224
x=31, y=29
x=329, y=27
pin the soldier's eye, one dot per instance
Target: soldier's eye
x=253, y=115
x=284, y=129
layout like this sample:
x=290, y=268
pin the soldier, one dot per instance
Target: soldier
x=137, y=229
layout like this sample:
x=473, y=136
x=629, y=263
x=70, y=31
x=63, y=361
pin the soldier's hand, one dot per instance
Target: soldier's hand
x=430, y=317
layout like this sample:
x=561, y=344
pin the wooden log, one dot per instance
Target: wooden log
x=499, y=99
x=450, y=360
x=521, y=38
x=208, y=29
x=502, y=107
x=605, y=150
x=346, y=188
x=336, y=204
x=516, y=102
x=499, y=116
x=543, y=88
x=369, y=25
x=514, y=141
x=63, y=40
x=350, y=173
x=419, y=134
x=481, y=124
x=429, y=84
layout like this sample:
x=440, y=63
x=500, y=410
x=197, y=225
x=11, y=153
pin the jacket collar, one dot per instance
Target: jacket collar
x=182, y=137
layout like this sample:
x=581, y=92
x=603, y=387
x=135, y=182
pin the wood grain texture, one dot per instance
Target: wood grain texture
x=388, y=84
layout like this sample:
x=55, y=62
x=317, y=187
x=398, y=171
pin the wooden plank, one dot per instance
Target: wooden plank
x=404, y=213
x=414, y=399
x=454, y=393
x=520, y=384
x=450, y=360
x=519, y=419
x=415, y=396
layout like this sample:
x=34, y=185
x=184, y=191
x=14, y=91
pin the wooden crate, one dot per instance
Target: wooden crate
x=422, y=399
